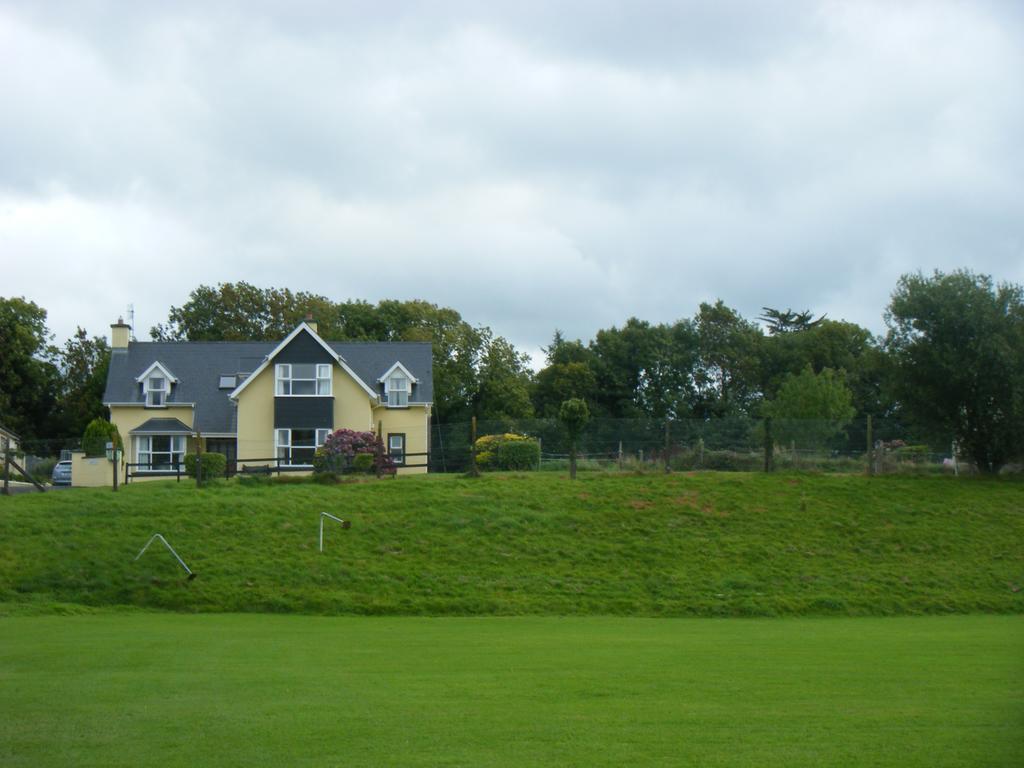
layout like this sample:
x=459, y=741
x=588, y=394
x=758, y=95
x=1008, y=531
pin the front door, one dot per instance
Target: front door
x=227, y=446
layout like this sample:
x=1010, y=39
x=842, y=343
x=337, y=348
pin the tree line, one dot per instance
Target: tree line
x=950, y=365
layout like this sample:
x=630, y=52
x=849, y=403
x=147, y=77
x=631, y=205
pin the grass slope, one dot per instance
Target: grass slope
x=681, y=545
x=230, y=690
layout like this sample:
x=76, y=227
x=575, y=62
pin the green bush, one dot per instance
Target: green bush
x=363, y=463
x=507, y=452
x=519, y=454
x=214, y=465
x=97, y=434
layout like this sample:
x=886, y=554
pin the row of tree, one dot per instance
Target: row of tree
x=47, y=390
x=950, y=366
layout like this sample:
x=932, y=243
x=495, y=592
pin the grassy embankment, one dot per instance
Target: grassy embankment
x=642, y=545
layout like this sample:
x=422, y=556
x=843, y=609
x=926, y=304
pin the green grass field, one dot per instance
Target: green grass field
x=513, y=633
x=706, y=544
x=239, y=690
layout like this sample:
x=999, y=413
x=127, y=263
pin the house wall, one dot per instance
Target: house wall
x=126, y=418
x=256, y=419
x=352, y=408
x=414, y=422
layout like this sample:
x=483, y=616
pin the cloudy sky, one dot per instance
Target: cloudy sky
x=532, y=164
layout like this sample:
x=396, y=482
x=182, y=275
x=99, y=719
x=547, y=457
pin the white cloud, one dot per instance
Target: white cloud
x=532, y=166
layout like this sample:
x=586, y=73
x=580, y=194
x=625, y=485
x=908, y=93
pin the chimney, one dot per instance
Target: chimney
x=311, y=322
x=120, y=333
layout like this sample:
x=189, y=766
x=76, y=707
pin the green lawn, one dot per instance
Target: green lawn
x=138, y=689
x=706, y=544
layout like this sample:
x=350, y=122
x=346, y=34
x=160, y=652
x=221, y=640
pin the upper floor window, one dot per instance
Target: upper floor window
x=301, y=379
x=398, y=390
x=156, y=390
x=156, y=382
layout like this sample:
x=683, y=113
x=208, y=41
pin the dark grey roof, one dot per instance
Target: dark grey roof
x=198, y=366
x=162, y=427
x=371, y=360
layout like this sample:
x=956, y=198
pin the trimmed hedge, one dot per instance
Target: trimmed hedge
x=507, y=452
x=214, y=465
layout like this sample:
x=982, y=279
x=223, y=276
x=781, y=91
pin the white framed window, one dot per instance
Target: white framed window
x=303, y=379
x=398, y=390
x=159, y=453
x=156, y=390
x=396, y=448
x=295, y=447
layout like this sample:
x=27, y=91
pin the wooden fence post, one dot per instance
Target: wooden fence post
x=199, y=464
x=667, y=444
x=7, y=473
x=474, y=470
x=871, y=449
x=380, y=448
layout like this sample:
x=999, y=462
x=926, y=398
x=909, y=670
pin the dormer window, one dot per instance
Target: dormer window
x=156, y=391
x=398, y=390
x=397, y=383
x=303, y=380
x=156, y=384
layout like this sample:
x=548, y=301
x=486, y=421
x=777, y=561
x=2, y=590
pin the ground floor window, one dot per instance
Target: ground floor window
x=295, y=447
x=396, y=448
x=159, y=453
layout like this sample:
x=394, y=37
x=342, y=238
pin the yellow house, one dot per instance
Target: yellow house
x=266, y=404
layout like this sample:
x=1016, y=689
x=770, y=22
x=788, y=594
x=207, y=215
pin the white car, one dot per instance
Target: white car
x=61, y=473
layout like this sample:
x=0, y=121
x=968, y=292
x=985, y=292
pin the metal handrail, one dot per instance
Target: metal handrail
x=156, y=536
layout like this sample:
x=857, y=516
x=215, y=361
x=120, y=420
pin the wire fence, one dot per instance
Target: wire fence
x=878, y=446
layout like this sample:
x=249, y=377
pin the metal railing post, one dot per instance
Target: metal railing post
x=344, y=524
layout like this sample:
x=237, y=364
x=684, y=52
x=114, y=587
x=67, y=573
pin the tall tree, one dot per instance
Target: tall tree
x=647, y=370
x=957, y=342
x=788, y=321
x=811, y=408
x=83, y=365
x=242, y=312
x=827, y=344
x=505, y=378
x=728, y=375
x=569, y=374
x=29, y=379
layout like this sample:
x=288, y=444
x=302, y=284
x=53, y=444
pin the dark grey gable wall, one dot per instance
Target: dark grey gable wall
x=303, y=349
x=303, y=412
